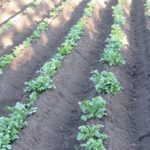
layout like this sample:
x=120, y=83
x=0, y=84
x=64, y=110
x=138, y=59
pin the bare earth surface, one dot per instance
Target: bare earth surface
x=55, y=125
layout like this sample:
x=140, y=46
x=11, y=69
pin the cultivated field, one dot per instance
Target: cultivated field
x=74, y=75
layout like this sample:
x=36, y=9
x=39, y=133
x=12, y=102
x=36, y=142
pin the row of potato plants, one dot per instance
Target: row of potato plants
x=90, y=135
x=41, y=27
x=34, y=5
x=10, y=126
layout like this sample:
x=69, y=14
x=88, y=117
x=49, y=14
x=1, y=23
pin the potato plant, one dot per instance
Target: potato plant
x=89, y=10
x=93, y=109
x=11, y=125
x=6, y=26
x=39, y=84
x=91, y=137
x=93, y=144
x=74, y=35
x=105, y=82
x=112, y=57
x=115, y=42
x=50, y=68
x=90, y=132
x=118, y=14
x=4, y=61
x=54, y=12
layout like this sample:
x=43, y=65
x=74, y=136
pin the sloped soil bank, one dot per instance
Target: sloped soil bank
x=55, y=125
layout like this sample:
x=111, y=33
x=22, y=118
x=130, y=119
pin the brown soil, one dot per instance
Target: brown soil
x=13, y=8
x=141, y=29
x=58, y=115
x=3, y=2
x=23, y=26
x=119, y=124
x=129, y=112
x=24, y=67
x=55, y=125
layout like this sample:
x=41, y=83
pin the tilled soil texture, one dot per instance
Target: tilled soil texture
x=141, y=28
x=55, y=125
x=25, y=66
x=120, y=123
x=24, y=24
x=129, y=111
